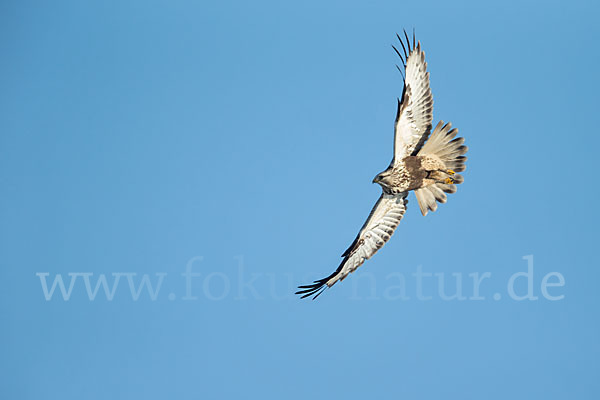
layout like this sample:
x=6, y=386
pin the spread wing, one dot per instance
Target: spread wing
x=376, y=231
x=414, y=115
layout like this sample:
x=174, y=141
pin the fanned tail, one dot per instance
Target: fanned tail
x=450, y=150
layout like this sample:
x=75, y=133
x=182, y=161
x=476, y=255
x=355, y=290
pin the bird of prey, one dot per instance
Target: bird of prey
x=424, y=162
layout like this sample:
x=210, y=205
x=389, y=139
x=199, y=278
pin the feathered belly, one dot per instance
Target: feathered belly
x=409, y=176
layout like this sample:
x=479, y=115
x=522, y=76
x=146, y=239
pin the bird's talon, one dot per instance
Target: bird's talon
x=449, y=181
x=451, y=172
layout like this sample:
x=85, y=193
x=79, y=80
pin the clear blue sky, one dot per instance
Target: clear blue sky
x=241, y=138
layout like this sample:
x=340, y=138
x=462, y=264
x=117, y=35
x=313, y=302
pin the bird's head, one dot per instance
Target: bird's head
x=383, y=178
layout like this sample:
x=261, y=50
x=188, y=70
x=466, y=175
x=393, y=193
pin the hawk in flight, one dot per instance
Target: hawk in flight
x=427, y=167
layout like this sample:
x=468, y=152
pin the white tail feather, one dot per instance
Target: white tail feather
x=450, y=151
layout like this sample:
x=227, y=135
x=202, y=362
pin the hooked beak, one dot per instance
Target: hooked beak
x=376, y=179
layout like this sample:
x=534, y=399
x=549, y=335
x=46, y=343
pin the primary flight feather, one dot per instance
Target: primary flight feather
x=424, y=162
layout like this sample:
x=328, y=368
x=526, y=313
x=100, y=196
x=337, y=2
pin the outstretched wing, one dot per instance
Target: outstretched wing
x=414, y=115
x=376, y=231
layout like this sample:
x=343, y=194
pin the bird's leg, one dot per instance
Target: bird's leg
x=442, y=176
